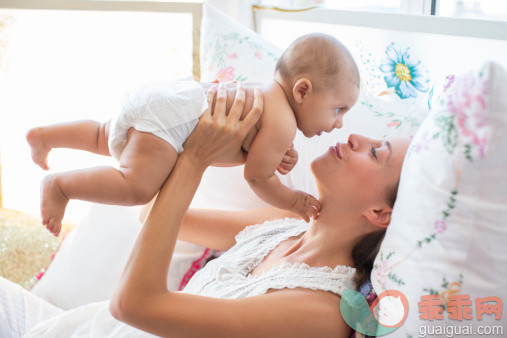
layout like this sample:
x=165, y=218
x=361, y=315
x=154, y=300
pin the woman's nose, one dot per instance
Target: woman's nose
x=354, y=141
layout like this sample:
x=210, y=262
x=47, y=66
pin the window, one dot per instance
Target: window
x=471, y=9
x=474, y=9
x=60, y=65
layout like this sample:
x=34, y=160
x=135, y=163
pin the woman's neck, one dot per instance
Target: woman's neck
x=329, y=240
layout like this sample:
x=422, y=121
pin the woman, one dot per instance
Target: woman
x=277, y=276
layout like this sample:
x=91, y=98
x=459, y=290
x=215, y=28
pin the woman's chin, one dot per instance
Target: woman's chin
x=318, y=168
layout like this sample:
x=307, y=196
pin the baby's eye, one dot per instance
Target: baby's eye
x=338, y=110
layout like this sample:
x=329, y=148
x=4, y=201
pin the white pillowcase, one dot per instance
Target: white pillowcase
x=232, y=52
x=92, y=257
x=448, y=231
x=225, y=188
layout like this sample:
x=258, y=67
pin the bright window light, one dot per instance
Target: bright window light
x=59, y=66
x=474, y=9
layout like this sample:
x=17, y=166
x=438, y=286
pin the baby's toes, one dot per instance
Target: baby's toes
x=57, y=228
x=49, y=224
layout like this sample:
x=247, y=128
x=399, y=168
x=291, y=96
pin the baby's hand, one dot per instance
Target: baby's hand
x=289, y=161
x=306, y=205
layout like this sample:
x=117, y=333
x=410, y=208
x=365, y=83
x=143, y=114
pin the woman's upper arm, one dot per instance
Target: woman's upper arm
x=285, y=313
x=217, y=229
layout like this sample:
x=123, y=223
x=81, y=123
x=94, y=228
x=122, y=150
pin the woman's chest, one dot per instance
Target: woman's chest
x=274, y=258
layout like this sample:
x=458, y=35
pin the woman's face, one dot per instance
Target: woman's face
x=361, y=170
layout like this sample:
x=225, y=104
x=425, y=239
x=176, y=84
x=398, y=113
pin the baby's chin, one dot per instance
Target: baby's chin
x=311, y=134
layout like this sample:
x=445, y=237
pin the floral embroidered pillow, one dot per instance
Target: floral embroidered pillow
x=445, y=247
x=232, y=52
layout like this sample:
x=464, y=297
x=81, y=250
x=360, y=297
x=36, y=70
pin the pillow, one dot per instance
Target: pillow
x=93, y=255
x=226, y=44
x=446, y=240
x=232, y=52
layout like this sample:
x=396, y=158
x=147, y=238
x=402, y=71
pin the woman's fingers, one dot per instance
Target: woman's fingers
x=254, y=114
x=220, y=106
x=210, y=97
x=238, y=104
x=218, y=139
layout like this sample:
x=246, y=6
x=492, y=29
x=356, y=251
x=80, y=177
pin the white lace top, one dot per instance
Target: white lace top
x=225, y=277
x=228, y=276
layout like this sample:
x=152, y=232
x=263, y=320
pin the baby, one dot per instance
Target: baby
x=316, y=82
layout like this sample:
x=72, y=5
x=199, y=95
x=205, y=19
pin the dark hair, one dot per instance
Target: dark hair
x=367, y=248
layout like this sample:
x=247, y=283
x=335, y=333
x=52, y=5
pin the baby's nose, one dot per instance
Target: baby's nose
x=338, y=124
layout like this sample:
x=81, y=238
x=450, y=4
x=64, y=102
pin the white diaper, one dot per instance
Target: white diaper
x=168, y=110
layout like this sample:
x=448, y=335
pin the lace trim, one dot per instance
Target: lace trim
x=248, y=230
x=337, y=291
x=296, y=229
x=339, y=269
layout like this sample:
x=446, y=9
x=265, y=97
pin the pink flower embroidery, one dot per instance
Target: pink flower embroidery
x=225, y=74
x=450, y=80
x=394, y=123
x=258, y=55
x=470, y=111
x=440, y=226
x=423, y=144
x=232, y=56
x=382, y=270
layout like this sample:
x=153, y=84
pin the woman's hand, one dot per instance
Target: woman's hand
x=218, y=136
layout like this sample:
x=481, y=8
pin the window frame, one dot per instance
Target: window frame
x=485, y=29
x=190, y=7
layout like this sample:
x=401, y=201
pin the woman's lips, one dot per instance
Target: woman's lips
x=319, y=133
x=338, y=151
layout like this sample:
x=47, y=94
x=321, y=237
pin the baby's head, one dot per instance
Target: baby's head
x=321, y=81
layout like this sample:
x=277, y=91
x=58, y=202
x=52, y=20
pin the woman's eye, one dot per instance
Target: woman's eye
x=338, y=110
x=373, y=152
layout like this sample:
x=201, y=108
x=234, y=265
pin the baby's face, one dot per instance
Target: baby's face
x=323, y=110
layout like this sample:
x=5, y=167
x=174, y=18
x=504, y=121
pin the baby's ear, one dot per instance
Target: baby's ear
x=301, y=89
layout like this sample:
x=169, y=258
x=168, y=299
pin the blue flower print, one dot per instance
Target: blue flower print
x=403, y=71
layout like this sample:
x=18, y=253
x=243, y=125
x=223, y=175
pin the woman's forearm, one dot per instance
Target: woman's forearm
x=141, y=297
x=145, y=273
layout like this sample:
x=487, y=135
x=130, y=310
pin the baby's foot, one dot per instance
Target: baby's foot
x=53, y=203
x=40, y=150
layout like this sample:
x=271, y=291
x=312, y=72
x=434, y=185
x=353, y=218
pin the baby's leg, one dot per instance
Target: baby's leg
x=145, y=164
x=91, y=136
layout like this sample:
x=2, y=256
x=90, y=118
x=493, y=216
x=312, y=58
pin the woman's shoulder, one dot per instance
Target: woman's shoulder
x=271, y=227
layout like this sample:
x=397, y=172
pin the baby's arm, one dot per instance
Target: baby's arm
x=265, y=155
